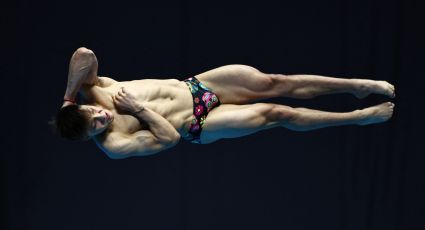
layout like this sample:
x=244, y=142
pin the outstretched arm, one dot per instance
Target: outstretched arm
x=82, y=70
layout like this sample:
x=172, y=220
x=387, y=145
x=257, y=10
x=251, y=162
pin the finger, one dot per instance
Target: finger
x=123, y=91
x=120, y=94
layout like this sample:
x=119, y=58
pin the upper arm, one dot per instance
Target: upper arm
x=141, y=143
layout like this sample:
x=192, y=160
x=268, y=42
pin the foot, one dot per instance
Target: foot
x=376, y=114
x=364, y=87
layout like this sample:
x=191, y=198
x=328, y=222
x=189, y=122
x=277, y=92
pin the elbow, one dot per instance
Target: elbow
x=84, y=53
x=174, y=140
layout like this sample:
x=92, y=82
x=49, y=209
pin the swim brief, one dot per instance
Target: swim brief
x=204, y=100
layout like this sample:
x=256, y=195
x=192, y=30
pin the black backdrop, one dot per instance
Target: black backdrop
x=346, y=177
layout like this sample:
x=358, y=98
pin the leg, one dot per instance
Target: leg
x=310, y=86
x=241, y=84
x=309, y=119
x=236, y=84
x=231, y=121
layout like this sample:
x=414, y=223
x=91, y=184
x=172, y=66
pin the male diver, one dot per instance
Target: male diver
x=144, y=117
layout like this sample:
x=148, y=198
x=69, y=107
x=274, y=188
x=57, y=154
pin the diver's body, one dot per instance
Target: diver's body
x=143, y=117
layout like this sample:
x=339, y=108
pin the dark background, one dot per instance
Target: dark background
x=347, y=177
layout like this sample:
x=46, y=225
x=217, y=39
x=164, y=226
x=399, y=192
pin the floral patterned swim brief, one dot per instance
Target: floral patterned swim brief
x=204, y=100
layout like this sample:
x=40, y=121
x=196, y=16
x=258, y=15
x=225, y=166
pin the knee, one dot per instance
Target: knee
x=279, y=78
x=265, y=81
x=281, y=113
x=294, y=86
x=287, y=114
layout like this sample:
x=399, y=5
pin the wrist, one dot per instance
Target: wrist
x=139, y=109
x=69, y=100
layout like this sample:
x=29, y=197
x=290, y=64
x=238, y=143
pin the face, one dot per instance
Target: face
x=99, y=119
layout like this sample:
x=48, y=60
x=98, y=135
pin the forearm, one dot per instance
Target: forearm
x=82, y=69
x=158, y=125
x=75, y=80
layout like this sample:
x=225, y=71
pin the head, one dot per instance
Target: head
x=81, y=122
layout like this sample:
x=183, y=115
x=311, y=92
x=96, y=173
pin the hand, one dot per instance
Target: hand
x=126, y=101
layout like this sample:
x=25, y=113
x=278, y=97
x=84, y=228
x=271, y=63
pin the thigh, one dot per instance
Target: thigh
x=235, y=84
x=231, y=121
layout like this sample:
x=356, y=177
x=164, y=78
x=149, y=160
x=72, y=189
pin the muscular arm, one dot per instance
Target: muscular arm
x=82, y=70
x=141, y=143
x=160, y=127
x=160, y=136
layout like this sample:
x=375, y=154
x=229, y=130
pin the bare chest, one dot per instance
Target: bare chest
x=170, y=98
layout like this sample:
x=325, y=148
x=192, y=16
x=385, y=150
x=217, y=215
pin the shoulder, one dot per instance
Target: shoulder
x=103, y=81
x=87, y=91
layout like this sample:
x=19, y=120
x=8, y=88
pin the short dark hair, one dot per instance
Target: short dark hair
x=72, y=122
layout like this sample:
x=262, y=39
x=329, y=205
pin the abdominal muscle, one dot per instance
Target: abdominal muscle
x=170, y=98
